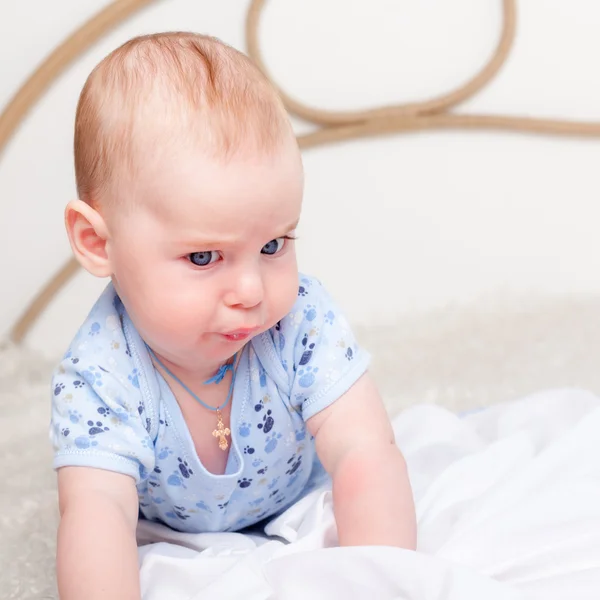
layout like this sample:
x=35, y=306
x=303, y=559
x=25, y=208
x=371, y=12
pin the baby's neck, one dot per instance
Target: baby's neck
x=196, y=375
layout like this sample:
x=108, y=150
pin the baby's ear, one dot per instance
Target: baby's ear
x=88, y=235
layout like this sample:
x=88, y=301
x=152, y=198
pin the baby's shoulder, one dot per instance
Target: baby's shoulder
x=312, y=353
x=101, y=416
x=313, y=313
x=314, y=322
x=100, y=342
x=101, y=330
x=313, y=304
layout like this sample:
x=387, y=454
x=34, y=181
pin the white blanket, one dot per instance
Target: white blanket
x=508, y=506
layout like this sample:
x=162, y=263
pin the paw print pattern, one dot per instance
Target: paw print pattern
x=349, y=354
x=105, y=412
x=302, y=291
x=332, y=375
x=164, y=453
x=259, y=406
x=83, y=442
x=143, y=472
x=262, y=377
x=178, y=513
x=267, y=423
x=295, y=463
x=58, y=388
x=271, y=442
x=93, y=376
x=78, y=384
x=310, y=312
x=184, y=468
x=175, y=480
x=329, y=317
x=66, y=431
x=94, y=329
x=96, y=427
x=74, y=416
x=306, y=377
x=295, y=318
x=133, y=377
x=244, y=482
x=248, y=450
x=308, y=351
x=244, y=429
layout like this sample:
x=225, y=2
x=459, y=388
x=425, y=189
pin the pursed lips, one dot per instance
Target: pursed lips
x=240, y=334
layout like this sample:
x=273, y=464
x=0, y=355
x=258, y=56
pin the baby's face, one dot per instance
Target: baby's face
x=202, y=262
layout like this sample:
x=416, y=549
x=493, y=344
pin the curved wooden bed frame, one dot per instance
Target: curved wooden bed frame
x=334, y=126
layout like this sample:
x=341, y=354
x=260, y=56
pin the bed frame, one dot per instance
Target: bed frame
x=333, y=126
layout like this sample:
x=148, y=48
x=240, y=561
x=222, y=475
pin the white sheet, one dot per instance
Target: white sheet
x=508, y=504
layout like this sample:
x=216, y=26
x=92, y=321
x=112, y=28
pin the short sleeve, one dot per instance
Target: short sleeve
x=98, y=418
x=318, y=350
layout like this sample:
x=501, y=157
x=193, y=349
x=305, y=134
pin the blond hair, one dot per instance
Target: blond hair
x=168, y=84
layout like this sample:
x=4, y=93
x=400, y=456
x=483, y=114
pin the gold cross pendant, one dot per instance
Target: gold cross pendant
x=221, y=432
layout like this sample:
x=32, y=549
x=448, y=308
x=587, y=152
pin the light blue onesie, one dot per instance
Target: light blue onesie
x=113, y=410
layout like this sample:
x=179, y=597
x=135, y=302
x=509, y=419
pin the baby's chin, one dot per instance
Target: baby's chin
x=211, y=347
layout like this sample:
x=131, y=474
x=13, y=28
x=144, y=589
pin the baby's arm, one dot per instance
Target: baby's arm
x=97, y=552
x=372, y=496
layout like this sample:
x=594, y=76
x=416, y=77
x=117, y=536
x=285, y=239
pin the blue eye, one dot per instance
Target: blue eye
x=273, y=247
x=202, y=259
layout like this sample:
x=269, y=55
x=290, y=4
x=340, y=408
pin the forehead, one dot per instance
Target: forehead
x=192, y=193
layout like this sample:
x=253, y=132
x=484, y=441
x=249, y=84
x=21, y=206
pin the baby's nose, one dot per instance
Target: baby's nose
x=248, y=290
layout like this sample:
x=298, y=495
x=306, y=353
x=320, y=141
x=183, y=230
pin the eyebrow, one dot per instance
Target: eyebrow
x=210, y=244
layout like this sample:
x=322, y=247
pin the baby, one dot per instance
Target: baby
x=211, y=385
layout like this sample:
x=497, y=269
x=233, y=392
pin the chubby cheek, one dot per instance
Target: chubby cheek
x=162, y=306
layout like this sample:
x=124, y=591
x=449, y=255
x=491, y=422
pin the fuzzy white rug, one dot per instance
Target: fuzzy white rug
x=459, y=357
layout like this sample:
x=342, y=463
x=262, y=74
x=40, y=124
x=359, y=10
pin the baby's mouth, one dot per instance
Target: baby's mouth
x=239, y=334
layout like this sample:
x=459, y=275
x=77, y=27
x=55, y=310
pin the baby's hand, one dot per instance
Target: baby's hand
x=372, y=496
x=97, y=552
